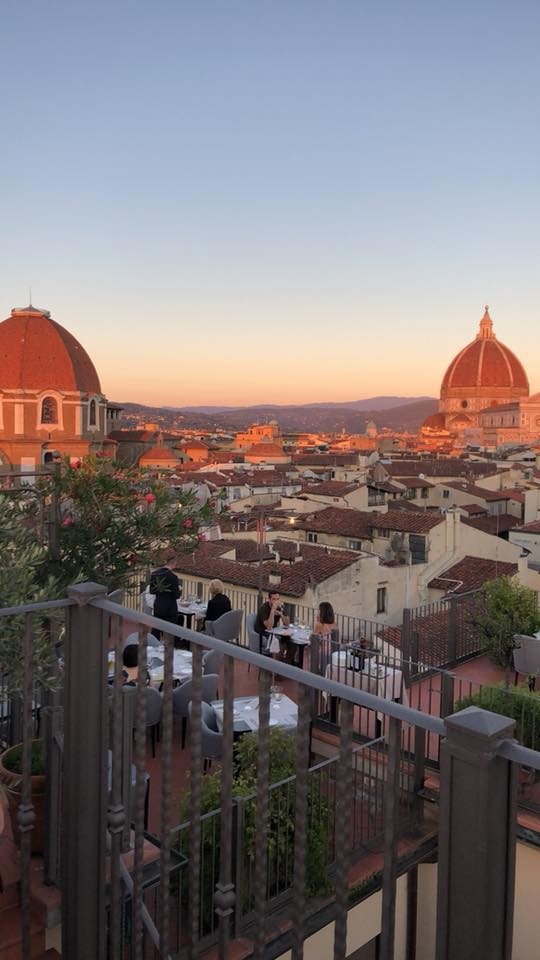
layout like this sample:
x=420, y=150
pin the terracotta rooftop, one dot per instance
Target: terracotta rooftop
x=330, y=488
x=386, y=486
x=158, y=454
x=533, y=527
x=266, y=449
x=405, y=522
x=473, y=509
x=488, y=495
x=326, y=459
x=316, y=566
x=470, y=574
x=361, y=523
x=452, y=467
x=415, y=483
x=495, y=525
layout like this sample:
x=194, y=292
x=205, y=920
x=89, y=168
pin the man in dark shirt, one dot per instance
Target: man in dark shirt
x=269, y=615
x=165, y=585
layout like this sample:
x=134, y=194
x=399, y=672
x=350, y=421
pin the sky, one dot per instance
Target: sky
x=234, y=202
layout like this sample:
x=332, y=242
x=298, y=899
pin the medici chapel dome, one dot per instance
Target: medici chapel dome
x=36, y=353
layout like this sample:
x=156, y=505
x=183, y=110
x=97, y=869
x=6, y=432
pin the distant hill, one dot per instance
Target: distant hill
x=371, y=403
x=406, y=414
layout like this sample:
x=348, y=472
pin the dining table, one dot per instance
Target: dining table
x=283, y=713
x=374, y=677
x=294, y=639
x=182, y=665
x=188, y=608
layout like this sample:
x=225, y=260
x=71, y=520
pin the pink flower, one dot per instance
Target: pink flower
x=67, y=522
x=149, y=497
x=188, y=522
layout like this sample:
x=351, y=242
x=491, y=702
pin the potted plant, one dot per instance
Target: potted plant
x=10, y=781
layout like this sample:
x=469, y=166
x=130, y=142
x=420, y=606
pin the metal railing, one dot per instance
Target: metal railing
x=105, y=851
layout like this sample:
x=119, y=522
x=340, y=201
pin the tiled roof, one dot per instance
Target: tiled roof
x=266, y=449
x=470, y=574
x=193, y=445
x=339, y=521
x=453, y=467
x=415, y=483
x=330, y=488
x=533, y=527
x=405, y=522
x=488, y=495
x=403, y=504
x=386, y=486
x=495, y=525
x=316, y=566
x=361, y=523
x=473, y=509
x=326, y=459
x=158, y=454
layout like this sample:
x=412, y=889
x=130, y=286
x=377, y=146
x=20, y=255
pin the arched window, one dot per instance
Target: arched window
x=92, y=413
x=49, y=410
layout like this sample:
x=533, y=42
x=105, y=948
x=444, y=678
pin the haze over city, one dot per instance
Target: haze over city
x=291, y=202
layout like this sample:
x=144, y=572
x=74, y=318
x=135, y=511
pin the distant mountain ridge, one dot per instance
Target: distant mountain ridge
x=371, y=403
x=405, y=415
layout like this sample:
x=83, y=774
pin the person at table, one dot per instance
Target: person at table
x=130, y=665
x=269, y=616
x=165, y=585
x=218, y=603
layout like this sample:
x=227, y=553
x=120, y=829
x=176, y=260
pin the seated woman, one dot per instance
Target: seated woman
x=325, y=623
x=218, y=603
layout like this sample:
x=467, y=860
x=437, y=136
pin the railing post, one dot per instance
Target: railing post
x=452, y=645
x=52, y=723
x=406, y=652
x=85, y=785
x=476, y=839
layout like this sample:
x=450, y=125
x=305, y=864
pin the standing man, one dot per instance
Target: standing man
x=165, y=585
x=268, y=617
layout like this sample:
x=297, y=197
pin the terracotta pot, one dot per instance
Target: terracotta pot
x=37, y=783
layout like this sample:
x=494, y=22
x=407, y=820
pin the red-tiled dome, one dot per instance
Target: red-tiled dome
x=36, y=353
x=485, y=364
x=434, y=422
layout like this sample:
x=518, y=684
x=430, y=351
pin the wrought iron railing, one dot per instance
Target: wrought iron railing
x=105, y=850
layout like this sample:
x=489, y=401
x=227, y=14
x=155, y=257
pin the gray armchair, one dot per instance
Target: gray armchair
x=526, y=655
x=255, y=643
x=212, y=661
x=183, y=694
x=228, y=626
x=211, y=738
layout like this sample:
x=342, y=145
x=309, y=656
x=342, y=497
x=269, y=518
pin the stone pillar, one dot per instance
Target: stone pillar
x=475, y=898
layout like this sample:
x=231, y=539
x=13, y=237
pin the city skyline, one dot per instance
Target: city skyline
x=283, y=203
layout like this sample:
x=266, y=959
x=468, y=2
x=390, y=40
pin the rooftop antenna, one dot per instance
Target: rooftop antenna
x=30, y=296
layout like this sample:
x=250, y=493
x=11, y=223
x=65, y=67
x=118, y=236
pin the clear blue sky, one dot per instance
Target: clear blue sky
x=272, y=201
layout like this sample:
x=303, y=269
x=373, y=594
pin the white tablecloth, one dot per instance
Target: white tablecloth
x=182, y=664
x=283, y=713
x=382, y=681
x=298, y=635
x=191, y=608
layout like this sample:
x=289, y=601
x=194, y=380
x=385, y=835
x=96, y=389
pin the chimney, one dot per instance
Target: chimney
x=274, y=578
